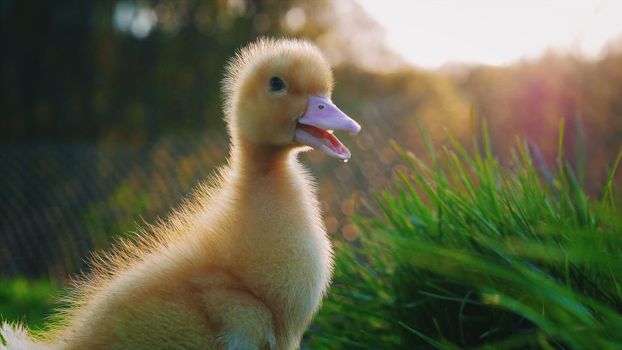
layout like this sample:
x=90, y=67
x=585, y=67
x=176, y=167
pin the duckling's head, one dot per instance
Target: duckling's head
x=278, y=98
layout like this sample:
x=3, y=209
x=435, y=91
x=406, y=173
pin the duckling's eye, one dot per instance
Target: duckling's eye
x=277, y=84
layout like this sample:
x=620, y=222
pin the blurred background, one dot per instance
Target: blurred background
x=110, y=111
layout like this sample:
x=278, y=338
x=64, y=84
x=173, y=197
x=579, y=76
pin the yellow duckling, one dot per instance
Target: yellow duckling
x=246, y=262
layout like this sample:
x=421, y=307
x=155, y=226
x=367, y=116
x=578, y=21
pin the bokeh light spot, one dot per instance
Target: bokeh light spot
x=135, y=19
x=295, y=19
x=350, y=232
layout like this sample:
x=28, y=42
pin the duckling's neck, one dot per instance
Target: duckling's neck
x=254, y=161
x=272, y=178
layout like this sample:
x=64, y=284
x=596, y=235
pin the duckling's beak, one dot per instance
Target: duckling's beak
x=315, y=127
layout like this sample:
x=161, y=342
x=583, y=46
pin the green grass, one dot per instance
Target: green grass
x=471, y=254
x=27, y=301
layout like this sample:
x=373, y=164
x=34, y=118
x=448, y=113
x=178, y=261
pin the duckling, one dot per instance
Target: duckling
x=245, y=263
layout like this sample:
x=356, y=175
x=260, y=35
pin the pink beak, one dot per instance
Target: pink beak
x=315, y=128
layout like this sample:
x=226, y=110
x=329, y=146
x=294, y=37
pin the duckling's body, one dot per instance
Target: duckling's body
x=221, y=267
x=244, y=265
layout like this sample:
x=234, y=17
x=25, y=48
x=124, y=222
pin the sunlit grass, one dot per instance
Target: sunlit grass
x=27, y=301
x=468, y=253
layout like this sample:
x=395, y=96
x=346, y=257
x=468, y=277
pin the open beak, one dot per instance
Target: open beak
x=315, y=128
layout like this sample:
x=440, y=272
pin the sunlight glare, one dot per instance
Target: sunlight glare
x=432, y=33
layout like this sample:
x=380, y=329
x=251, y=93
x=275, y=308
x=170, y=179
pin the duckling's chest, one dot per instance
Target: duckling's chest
x=287, y=255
